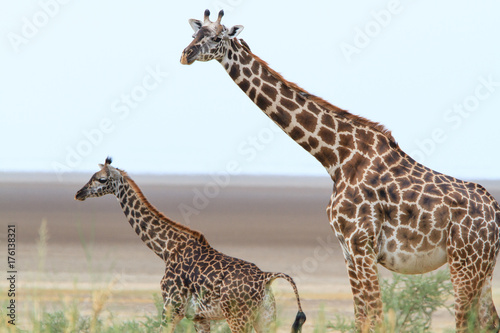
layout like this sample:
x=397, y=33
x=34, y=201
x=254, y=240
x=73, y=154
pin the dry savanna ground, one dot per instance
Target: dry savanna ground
x=277, y=223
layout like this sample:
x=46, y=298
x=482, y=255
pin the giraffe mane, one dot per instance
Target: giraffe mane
x=320, y=101
x=182, y=228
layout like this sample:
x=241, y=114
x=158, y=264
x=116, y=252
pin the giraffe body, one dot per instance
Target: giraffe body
x=200, y=282
x=386, y=208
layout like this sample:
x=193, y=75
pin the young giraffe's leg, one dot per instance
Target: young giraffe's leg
x=171, y=316
x=266, y=317
x=239, y=324
x=202, y=326
x=236, y=310
x=173, y=304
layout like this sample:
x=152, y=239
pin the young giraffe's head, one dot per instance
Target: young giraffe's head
x=104, y=181
x=210, y=41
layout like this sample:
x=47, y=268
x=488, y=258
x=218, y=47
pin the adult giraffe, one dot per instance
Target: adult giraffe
x=386, y=208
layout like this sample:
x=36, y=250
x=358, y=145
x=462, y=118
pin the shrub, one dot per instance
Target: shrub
x=409, y=302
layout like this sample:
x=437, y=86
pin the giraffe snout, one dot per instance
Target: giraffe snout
x=81, y=195
x=188, y=56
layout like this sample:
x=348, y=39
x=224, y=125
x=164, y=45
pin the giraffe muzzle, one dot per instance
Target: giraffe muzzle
x=188, y=56
x=81, y=195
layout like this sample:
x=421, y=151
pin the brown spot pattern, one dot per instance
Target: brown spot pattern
x=382, y=194
x=307, y=120
x=197, y=272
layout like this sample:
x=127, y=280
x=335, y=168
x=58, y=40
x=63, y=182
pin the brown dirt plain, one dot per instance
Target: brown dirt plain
x=278, y=223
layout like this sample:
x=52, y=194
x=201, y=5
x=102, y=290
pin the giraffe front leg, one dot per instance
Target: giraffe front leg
x=363, y=277
x=358, y=249
x=172, y=314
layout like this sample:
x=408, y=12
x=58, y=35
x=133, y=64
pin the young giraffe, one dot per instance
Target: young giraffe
x=199, y=280
x=386, y=208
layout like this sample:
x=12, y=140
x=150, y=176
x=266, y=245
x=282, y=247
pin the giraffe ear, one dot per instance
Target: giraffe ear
x=195, y=24
x=100, y=165
x=234, y=31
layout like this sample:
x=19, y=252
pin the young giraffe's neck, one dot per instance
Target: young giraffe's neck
x=162, y=235
x=339, y=140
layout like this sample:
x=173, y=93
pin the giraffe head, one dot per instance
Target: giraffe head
x=210, y=41
x=104, y=181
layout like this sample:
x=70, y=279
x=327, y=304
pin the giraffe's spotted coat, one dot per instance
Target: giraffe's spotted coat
x=386, y=208
x=199, y=281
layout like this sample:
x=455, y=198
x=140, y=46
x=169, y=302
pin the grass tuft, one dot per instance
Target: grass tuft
x=409, y=302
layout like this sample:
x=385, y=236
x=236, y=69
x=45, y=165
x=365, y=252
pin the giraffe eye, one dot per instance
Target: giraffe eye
x=102, y=180
x=216, y=39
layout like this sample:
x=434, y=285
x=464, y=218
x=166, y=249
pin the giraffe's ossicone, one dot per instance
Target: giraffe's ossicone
x=199, y=282
x=386, y=208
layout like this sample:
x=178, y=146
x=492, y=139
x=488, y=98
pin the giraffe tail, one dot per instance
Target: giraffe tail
x=300, y=318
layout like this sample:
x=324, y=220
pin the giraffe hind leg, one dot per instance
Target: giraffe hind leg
x=266, y=317
x=239, y=325
x=488, y=316
x=474, y=308
x=236, y=314
x=202, y=326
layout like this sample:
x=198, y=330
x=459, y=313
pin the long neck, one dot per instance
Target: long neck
x=162, y=235
x=333, y=136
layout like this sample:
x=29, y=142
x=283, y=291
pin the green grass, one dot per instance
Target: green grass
x=410, y=301
x=409, y=304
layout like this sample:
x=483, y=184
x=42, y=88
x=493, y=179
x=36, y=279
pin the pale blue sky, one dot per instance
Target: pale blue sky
x=81, y=80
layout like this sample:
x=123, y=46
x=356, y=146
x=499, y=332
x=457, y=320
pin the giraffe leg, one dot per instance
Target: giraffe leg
x=170, y=318
x=237, y=315
x=172, y=313
x=488, y=316
x=466, y=293
x=239, y=324
x=471, y=260
x=266, y=316
x=361, y=262
x=202, y=326
x=366, y=295
x=363, y=277
x=472, y=288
